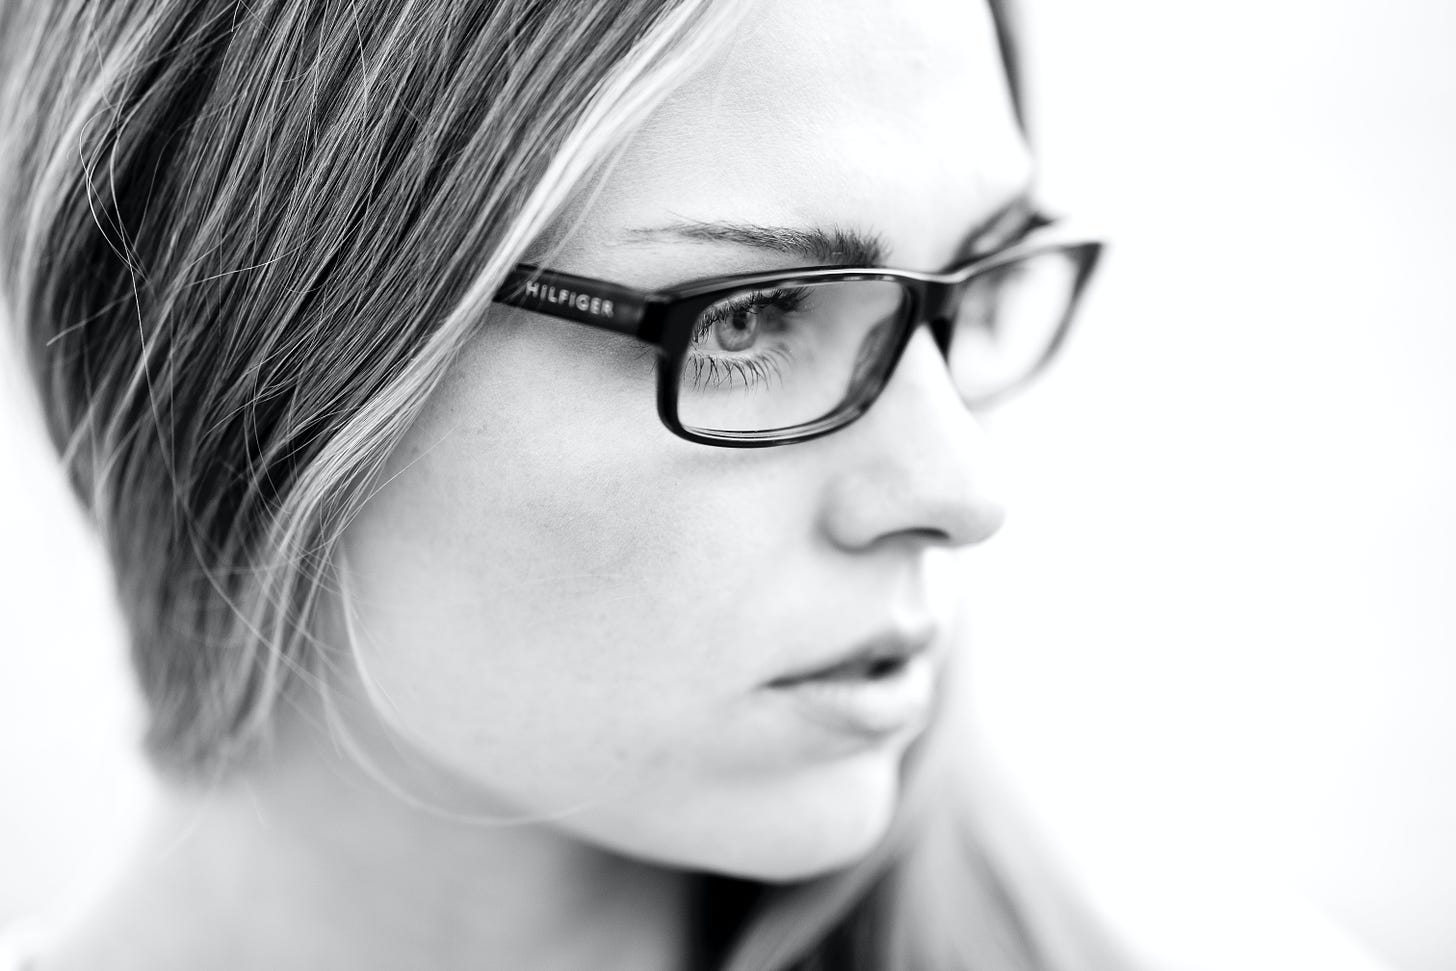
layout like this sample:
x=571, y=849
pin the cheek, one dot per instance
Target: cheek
x=554, y=593
x=571, y=610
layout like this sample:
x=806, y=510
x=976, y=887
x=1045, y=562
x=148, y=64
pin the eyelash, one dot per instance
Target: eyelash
x=719, y=371
x=787, y=300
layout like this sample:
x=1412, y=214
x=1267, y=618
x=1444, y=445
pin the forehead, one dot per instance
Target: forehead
x=888, y=116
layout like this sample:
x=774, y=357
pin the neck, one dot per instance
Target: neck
x=309, y=862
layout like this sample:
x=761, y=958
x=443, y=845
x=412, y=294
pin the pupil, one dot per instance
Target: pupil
x=738, y=331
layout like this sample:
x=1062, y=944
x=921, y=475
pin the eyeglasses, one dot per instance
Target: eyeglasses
x=774, y=358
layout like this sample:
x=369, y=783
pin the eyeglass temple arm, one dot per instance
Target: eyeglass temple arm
x=577, y=298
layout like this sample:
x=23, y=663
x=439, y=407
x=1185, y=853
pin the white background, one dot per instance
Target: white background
x=1223, y=612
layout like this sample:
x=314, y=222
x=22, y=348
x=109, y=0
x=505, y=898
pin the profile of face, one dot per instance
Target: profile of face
x=582, y=617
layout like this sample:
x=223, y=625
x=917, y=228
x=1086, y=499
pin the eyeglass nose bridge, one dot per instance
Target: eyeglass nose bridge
x=939, y=303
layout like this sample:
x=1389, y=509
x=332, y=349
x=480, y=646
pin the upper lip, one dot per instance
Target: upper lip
x=893, y=646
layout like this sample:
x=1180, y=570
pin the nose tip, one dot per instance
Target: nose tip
x=923, y=470
x=967, y=519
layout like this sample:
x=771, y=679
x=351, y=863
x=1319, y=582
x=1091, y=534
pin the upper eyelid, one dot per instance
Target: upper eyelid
x=768, y=297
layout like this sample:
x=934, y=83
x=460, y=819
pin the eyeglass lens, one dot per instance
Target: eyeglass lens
x=1008, y=319
x=774, y=359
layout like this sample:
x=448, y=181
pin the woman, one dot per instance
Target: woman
x=418, y=363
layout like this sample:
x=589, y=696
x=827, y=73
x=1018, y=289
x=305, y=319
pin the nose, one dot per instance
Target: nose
x=919, y=468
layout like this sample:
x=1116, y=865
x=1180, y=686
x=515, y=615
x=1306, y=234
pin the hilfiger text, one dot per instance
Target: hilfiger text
x=595, y=306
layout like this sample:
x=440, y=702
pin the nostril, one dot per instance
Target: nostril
x=930, y=535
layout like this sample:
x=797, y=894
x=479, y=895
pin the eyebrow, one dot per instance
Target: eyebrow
x=841, y=246
x=826, y=247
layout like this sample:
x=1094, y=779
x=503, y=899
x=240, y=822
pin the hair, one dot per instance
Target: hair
x=240, y=243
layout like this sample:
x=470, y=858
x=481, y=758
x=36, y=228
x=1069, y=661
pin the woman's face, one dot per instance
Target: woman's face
x=576, y=612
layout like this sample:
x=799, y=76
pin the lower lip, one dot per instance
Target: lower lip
x=872, y=708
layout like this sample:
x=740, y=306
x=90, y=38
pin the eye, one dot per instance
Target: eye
x=737, y=330
x=737, y=323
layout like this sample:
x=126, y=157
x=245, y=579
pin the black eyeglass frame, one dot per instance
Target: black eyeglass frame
x=666, y=320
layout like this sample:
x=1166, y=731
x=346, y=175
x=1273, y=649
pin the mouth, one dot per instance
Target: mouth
x=883, y=657
x=884, y=688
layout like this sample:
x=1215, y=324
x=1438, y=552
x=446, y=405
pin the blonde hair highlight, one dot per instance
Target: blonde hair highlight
x=219, y=605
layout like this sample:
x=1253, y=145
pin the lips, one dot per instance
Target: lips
x=866, y=698
x=880, y=657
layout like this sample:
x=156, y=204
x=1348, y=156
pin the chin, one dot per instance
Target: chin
x=816, y=853
x=792, y=830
